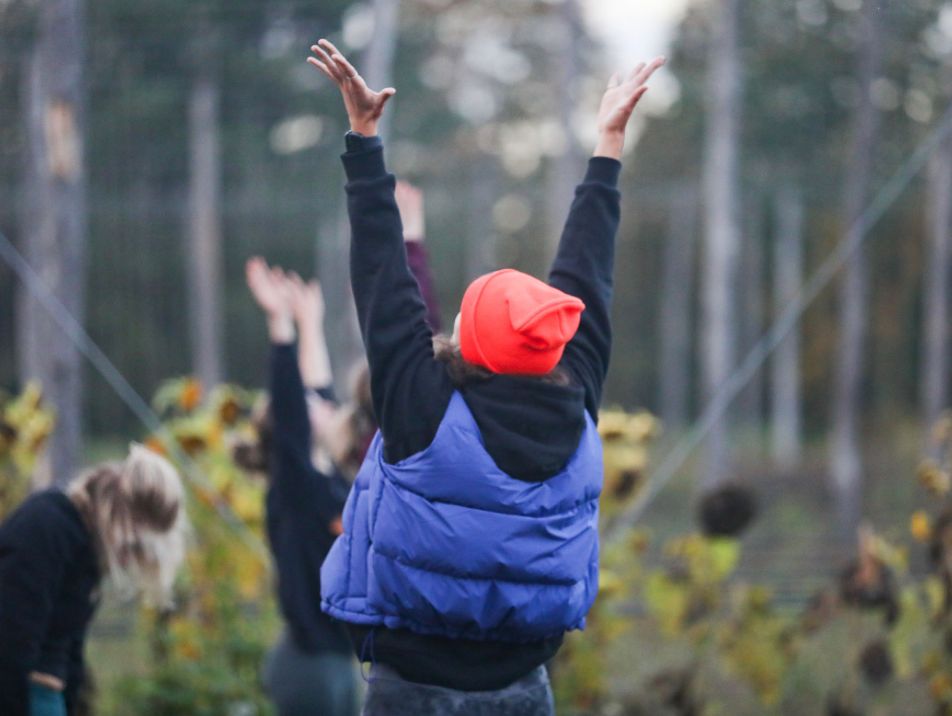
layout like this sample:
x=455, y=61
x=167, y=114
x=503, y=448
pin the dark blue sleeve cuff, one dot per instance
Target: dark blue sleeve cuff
x=363, y=158
x=603, y=170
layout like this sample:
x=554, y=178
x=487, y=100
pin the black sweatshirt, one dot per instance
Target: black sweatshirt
x=49, y=578
x=530, y=428
x=302, y=504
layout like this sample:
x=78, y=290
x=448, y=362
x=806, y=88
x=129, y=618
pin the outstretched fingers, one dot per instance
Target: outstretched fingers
x=322, y=67
x=255, y=269
x=645, y=71
x=327, y=65
x=335, y=56
x=635, y=99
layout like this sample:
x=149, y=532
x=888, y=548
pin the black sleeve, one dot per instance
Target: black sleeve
x=583, y=268
x=76, y=677
x=410, y=388
x=32, y=559
x=293, y=474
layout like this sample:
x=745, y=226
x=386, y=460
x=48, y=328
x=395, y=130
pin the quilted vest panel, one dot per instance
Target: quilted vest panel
x=446, y=543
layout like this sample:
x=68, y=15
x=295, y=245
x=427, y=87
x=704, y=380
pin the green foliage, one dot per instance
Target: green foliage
x=674, y=632
x=207, y=652
x=25, y=426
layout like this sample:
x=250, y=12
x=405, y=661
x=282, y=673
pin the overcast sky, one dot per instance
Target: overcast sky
x=636, y=30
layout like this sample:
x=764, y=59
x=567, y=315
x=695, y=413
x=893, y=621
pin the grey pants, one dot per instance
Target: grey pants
x=390, y=695
x=302, y=684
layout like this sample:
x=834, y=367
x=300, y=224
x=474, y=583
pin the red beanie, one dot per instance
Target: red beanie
x=513, y=323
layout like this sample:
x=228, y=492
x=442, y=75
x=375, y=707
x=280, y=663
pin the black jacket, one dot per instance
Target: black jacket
x=302, y=504
x=530, y=427
x=49, y=578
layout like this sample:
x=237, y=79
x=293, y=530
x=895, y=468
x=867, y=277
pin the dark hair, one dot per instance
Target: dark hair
x=255, y=455
x=462, y=372
x=727, y=511
x=361, y=423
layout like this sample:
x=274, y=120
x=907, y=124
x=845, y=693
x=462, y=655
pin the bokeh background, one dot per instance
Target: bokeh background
x=781, y=308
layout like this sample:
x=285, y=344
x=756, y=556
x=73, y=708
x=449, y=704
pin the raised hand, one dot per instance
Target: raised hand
x=271, y=290
x=307, y=301
x=410, y=202
x=307, y=305
x=619, y=101
x=364, y=105
x=267, y=286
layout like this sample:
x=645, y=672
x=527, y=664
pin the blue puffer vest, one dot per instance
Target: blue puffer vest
x=445, y=543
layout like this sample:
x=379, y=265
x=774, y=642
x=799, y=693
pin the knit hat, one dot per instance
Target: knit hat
x=513, y=323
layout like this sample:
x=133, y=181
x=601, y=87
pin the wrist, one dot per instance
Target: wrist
x=281, y=328
x=610, y=144
x=364, y=128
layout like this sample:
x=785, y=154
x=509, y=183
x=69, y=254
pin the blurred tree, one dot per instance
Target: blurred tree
x=561, y=174
x=678, y=295
x=343, y=333
x=721, y=232
x=751, y=311
x=846, y=452
x=53, y=229
x=204, y=252
x=785, y=367
x=937, y=285
x=935, y=334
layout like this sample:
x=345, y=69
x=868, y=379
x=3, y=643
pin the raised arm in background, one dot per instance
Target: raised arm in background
x=586, y=256
x=293, y=475
x=307, y=307
x=412, y=214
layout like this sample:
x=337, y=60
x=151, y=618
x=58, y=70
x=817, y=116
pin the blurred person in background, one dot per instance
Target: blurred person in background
x=310, y=670
x=470, y=540
x=311, y=446
x=124, y=519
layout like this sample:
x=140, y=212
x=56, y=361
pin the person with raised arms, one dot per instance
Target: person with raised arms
x=470, y=541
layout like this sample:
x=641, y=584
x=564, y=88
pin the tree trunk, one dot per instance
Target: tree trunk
x=562, y=170
x=204, y=254
x=333, y=251
x=721, y=235
x=785, y=368
x=846, y=462
x=378, y=58
x=934, y=382
x=480, y=254
x=677, y=298
x=340, y=317
x=751, y=311
x=54, y=222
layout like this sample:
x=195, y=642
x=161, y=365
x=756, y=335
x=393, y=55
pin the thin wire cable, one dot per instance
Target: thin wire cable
x=788, y=319
x=107, y=369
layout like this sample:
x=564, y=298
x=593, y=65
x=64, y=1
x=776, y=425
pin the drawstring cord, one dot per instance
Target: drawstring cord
x=363, y=653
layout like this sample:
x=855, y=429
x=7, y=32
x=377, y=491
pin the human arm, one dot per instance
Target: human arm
x=307, y=305
x=585, y=259
x=272, y=293
x=77, y=675
x=364, y=106
x=618, y=103
x=293, y=474
x=410, y=203
x=32, y=563
x=410, y=388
